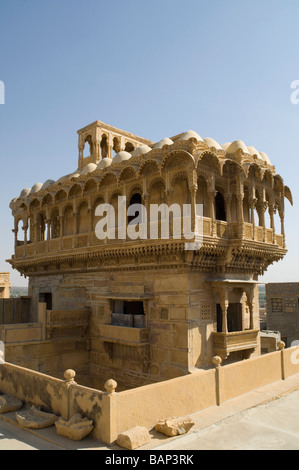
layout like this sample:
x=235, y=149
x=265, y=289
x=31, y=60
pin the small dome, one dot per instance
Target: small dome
x=141, y=150
x=104, y=163
x=226, y=145
x=88, y=168
x=25, y=192
x=253, y=151
x=265, y=158
x=36, y=187
x=191, y=135
x=76, y=174
x=47, y=184
x=121, y=156
x=163, y=142
x=237, y=145
x=63, y=178
x=212, y=143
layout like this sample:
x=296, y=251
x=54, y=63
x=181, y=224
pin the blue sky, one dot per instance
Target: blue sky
x=155, y=68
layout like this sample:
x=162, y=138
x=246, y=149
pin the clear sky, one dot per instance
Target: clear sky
x=155, y=68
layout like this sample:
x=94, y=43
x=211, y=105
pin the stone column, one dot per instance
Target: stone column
x=252, y=202
x=110, y=146
x=240, y=216
x=193, y=208
x=15, y=231
x=60, y=227
x=211, y=195
x=272, y=224
x=250, y=296
x=224, y=303
x=281, y=214
x=80, y=158
x=25, y=228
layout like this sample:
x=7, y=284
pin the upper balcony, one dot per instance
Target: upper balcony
x=236, y=186
x=218, y=236
x=223, y=231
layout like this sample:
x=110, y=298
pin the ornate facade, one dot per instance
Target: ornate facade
x=156, y=310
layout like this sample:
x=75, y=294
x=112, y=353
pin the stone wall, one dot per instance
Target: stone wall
x=180, y=317
x=114, y=412
x=59, y=340
x=282, y=305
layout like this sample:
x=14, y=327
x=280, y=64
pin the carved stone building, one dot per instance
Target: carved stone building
x=282, y=310
x=157, y=310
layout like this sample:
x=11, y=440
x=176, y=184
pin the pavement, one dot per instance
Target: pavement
x=265, y=419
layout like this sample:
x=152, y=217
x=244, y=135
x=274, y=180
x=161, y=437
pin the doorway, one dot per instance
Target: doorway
x=46, y=297
x=234, y=317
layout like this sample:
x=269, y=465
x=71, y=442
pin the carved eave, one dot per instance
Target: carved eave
x=288, y=194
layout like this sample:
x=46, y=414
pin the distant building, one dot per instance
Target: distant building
x=269, y=341
x=282, y=304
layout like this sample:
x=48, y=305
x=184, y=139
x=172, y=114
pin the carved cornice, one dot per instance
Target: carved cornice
x=250, y=257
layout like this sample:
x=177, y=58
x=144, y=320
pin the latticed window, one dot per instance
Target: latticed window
x=276, y=304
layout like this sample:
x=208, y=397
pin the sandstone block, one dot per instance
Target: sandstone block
x=35, y=418
x=9, y=403
x=135, y=437
x=76, y=428
x=174, y=426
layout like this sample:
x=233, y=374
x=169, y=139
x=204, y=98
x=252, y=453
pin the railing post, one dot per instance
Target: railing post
x=69, y=376
x=281, y=346
x=108, y=423
x=217, y=362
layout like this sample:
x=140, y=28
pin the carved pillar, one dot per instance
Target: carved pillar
x=193, y=207
x=60, y=227
x=240, y=216
x=281, y=215
x=110, y=146
x=250, y=296
x=97, y=150
x=272, y=224
x=252, y=203
x=15, y=231
x=48, y=233
x=224, y=303
x=25, y=228
x=48, y=224
x=211, y=195
x=81, y=154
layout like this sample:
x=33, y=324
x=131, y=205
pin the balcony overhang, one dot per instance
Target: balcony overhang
x=225, y=343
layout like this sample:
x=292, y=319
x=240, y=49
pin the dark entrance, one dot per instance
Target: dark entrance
x=220, y=207
x=46, y=297
x=234, y=317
